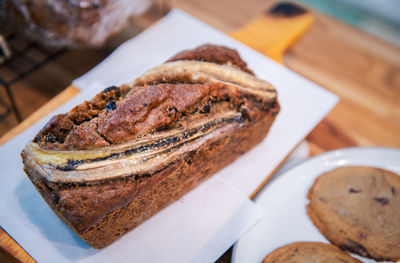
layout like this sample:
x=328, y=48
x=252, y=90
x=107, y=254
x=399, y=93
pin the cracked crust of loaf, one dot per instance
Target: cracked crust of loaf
x=100, y=211
x=215, y=54
x=118, y=114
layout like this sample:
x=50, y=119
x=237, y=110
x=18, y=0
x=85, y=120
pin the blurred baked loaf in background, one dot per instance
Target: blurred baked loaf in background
x=69, y=22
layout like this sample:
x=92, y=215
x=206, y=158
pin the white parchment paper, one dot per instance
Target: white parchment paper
x=206, y=221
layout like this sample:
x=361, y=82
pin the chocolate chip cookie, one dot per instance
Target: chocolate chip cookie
x=309, y=252
x=358, y=209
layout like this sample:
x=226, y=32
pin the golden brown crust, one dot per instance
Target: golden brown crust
x=215, y=54
x=64, y=131
x=148, y=108
x=309, y=252
x=357, y=209
x=119, y=114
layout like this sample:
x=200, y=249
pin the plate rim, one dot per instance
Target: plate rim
x=342, y=152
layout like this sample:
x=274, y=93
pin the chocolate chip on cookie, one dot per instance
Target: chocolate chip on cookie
x=358, y=209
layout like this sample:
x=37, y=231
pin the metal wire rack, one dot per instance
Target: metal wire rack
x=18, y=59
x=4, y=109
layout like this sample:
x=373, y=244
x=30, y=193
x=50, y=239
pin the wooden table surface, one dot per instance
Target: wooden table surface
x=362, y=70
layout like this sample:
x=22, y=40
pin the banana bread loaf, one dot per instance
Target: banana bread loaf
x=116, y=160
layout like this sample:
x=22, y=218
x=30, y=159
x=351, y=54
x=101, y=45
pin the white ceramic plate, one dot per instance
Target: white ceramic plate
x=284, y=200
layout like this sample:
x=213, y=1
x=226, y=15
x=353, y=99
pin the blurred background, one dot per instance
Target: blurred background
x=380, y=18
x=33, y=72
